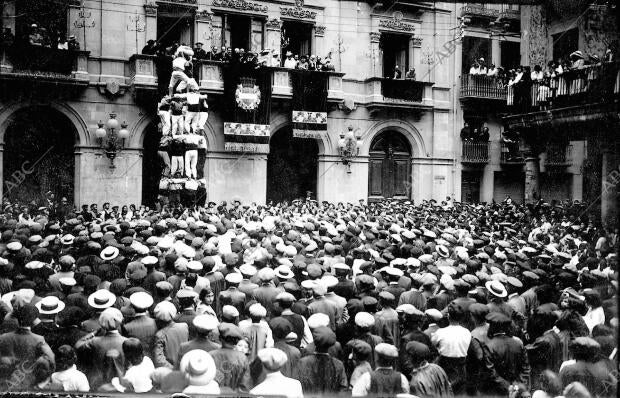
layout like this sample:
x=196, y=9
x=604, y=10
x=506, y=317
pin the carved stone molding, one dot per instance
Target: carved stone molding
x=375, y=37
x=273, y=24
x=538, y=36
x=150, y=9
x=396, y=23
x=417, y=41
x=240, y=5
x=203, y=16
x=298, y=11
x=319, y=31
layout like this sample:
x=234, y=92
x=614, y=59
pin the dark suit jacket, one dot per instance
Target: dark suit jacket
x=510, y=359
x=142, y=327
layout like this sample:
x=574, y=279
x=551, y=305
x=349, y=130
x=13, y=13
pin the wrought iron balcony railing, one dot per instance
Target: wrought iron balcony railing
x=559, y=155
x=475, y=152
x=511, y=153
x=483, y=87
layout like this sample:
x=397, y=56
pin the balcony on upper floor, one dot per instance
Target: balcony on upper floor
x=479, y=12
x=482, y=88
x=575, y=95
x=511, y=154
x=26, y=67
x=398, y=93
x=475, y=152
x=558, y=155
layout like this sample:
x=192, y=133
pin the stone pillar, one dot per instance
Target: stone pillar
x=202, y=33
x=8, y=15
x=534, y=41
x=318, y=42
x=532, y=175
x=496, y=51
x=273, y=37
x=150, y=24
x=376, y=66
x=416, y=55
x=609, y=189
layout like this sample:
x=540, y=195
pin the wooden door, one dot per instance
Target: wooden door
x=389, y=168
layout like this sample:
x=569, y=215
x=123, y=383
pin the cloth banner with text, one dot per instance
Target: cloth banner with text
x=246, y=137
x=309, y=103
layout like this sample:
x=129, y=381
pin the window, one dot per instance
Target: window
x=238, y=31
x=175, y=25
x=475, y=48
x=565, y=43
x=395, y=49
x=298, y=37
x=511, y=54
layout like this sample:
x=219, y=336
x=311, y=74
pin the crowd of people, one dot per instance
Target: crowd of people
x=541, y=84
x=381, y=298
x=240, y=55
x=41, y=37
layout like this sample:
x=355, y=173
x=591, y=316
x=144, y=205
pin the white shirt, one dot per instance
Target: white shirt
x=492, y=72
x=452, y=341
x=362, y=386
x=178, y=63
x=278, y=384
x=594, y=317
x=140, y=375
x=290, y=63
x=474, y=71
x=71, y=380
x=536, y=76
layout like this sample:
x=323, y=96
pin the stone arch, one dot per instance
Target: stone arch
x=413, y=136
x=83, y=134
x=281, y=121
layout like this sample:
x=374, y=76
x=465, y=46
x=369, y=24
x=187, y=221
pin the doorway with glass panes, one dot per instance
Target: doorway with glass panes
x=297, y=38
x=238, y=31
x=175, y=25
x=395, y=49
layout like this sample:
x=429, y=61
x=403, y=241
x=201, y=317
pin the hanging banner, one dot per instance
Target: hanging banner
x=246, y=137
x=246, y=147
x=309, y=116
x=246, y=129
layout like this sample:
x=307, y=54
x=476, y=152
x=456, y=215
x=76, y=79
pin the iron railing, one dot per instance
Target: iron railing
x=591, y=84
x=482, y=86
x=475, y=152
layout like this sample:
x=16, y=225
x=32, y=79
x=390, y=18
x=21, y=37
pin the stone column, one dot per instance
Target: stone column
x=376, y=61
x=318, y=41
x=609, y=189
x=273, y=38
x=416, y=55
x=532, y=175
x=496, y=52
x=150, y=21
x=202, y=33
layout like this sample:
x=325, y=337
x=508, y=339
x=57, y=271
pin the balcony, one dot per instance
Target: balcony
x=511, y=154
x=510, y=15
x=482, y=87
x=475, y=152
x=558, y=155
x=576, y=95
x=35, y=66
x=477, y=11
x=397, y=93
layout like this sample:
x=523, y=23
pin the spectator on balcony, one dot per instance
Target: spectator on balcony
x=397, y=73
x=484, y=134
x=312, y=65
x=492, y=72
x=577, y=60
x=544, y=93
x=466, y=132
x=150, y=48
x=199, y=52
x=483, y=68
x=73, y=44
x=35, y=38
x=537, y=74
x=62, y=43
x=289, y=62
x=328, y=66
x=303, y=63
x=475, y=69
x=410, y=75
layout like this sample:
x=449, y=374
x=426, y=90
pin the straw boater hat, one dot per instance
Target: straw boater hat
x=101, y=299
x=496, y=288
x=199, y=367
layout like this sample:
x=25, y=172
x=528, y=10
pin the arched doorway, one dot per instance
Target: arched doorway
x=389, y=171
x=152, y=166
x=292, y=166
x=39, y=155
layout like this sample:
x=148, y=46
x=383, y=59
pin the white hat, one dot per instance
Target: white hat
x=386, y=350
x=205, y=322
x=318, y=320
x=109, y=253
x=272, y=358
x=194, y=266
x=14, y=246
x=257, y=310
x=67, y=239
x=364, y=319
x=199, y=367
x=101, y=299
x=50, y=305
x=284, y=272
x=234, y=277
x=148, y=260
x=111, y=318
x=496, y=288
x=230, y=311
x=247, y=269
x=329, y=280
x=141, y=300
x=165, y=311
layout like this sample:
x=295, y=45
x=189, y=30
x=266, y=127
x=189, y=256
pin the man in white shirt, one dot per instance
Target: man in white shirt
x=475, y=69
x=275, y=382
x=492, y=71
x=289, y=62
x=483, y=69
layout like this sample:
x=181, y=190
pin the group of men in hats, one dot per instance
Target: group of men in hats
x=385, y=298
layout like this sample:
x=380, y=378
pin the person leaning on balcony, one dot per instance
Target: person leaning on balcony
x=492, y=72
x=328, y=66
x=410, y=75
x=483, y=68
x=150, y=48
x=199, y=52
x=73, y=44
x=475, y=69
x=289, y=62
x=397, y=73
x=537, y=74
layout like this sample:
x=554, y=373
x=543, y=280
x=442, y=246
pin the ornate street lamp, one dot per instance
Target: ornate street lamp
x=349, y=147
x=111, y=138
